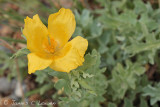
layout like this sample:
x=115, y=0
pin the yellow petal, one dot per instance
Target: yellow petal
x=71, y=56
x=37, y=63
x=36, y=33
x=61, y=26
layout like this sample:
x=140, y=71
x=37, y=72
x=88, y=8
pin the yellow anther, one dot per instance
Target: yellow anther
x=50, y=45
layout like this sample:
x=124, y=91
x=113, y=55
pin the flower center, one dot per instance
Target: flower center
x=50, y=45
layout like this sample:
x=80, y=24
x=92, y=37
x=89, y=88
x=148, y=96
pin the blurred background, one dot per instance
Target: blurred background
x=110, y=26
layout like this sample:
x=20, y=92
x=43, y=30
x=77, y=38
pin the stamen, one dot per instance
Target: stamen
x=50, y=45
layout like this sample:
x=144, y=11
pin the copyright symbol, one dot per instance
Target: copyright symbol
x=5, y=102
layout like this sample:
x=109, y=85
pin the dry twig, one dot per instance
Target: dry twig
x=8, y=46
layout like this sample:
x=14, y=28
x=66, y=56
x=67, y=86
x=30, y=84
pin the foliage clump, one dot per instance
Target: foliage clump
x=84, y=86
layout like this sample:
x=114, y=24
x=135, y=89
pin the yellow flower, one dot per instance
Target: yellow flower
x=51, y=47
